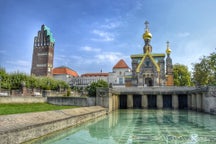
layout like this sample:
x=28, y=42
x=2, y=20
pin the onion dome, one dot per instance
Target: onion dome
x=147, y=35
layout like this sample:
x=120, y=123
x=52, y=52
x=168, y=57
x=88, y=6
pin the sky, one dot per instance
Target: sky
x=93, y=35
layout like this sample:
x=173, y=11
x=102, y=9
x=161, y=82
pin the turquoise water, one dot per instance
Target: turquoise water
x=141, y=126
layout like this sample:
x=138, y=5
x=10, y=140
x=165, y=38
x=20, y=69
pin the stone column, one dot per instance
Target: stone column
x=175, y=103
x=159, y=101
x=198, y=102
x=192, y=101
x=189, y=101
x=144, y=101
x=202, y=101
x=129, y=101
x=113, y=102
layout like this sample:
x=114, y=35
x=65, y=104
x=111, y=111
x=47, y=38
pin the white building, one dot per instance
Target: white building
x=64, y=73
x=118, y=76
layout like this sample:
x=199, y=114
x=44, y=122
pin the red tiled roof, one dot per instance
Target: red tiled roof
x=94, y=74
x=65, y=70
x=121, y=64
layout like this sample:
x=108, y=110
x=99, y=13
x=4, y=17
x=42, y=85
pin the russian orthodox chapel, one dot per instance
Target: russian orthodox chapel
x=151, y=69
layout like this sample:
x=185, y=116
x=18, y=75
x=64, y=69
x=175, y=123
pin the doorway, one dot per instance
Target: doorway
x=148, y=81
x=123, y=102
x=167, y=101
x=183, y=101
x=137, y=101
x=152, y=101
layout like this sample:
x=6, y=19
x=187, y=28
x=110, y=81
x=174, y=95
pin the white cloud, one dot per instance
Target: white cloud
x=90, y=49
x=183, y=34
x=103, y=35
x=189, y=51
x=111, y=25
x=21, y=63
x=18, y=65
x=111, y=57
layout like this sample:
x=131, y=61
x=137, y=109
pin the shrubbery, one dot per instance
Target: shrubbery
x=16, y=80
x=92, y=88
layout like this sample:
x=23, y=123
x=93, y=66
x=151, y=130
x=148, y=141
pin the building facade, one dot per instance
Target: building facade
x=43, y=53
x=86, y=79
x=64, y=73
x=119, y=73
x=150, y=69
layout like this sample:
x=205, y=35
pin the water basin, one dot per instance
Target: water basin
x=140, y=126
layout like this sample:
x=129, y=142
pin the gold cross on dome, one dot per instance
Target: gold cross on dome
x=146, y=23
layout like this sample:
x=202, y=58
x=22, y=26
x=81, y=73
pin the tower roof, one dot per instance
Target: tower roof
x=49, y=33
x=121, y=64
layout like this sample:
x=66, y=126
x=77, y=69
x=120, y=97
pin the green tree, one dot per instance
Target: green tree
x=204, y=72
x=93, y=86
x=182, y=76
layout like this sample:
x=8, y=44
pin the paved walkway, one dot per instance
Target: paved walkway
x=18, y=121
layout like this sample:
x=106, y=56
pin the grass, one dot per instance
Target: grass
x=6, y=109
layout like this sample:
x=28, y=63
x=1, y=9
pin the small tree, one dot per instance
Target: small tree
x=182, y=76
x=93, y=86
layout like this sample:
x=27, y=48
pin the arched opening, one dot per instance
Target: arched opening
x=148, y=82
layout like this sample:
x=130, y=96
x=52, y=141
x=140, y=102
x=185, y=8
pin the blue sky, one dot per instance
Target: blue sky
x=94, y=34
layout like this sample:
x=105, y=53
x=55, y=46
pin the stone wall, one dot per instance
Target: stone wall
x=22, y=99
x=209, y=100
x=75, y=101
x=24, y=127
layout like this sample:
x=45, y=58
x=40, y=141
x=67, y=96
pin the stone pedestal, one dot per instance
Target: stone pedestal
x=175, y=103
x=193, y=101
x=129, y=101
x=159, y=101
x=198, y=102
x=144, y=101
x=189, y=101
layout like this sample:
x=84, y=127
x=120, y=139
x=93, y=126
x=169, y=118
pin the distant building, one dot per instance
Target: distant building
x=64, y=73
x=43, y=53
x=119, y=73
x=149, y=69
x=87, y=78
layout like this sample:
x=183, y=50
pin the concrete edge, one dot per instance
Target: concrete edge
x=31, y=132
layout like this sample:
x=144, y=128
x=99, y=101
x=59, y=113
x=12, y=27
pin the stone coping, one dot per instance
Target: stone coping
x=16, y=122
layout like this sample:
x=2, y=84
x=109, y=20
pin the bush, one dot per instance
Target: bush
x=92, y=88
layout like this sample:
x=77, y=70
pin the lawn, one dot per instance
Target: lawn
x=6, y=109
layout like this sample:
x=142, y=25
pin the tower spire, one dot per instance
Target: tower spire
x=147, y=38
x=147, y=25
x=168, y=50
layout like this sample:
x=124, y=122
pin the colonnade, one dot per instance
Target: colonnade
x=159, y=101
x=195, y=101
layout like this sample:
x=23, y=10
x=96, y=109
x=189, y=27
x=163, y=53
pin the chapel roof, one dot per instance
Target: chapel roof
x=121, y=64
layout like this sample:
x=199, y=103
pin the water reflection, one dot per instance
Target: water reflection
x=141, y=126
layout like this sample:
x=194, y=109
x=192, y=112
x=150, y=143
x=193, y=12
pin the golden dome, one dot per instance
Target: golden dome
x=168, y=50
x=147, y=35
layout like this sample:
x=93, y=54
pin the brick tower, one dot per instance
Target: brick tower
x=43, y=53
